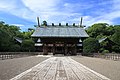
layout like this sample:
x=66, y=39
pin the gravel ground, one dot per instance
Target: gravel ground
x=12, y=67
x=108, y=68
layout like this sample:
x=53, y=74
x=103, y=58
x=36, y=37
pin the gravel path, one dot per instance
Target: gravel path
x=12, y=67
x=108, y=68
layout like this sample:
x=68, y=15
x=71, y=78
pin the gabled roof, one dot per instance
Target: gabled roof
x=59, y=32
x=18, y=39
x=101, y=40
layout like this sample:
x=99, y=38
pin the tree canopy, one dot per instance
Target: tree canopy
x=91, y=45
x=8, y=34
x=106, y=31
x=28, y=45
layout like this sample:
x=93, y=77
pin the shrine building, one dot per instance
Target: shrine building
x=59, y=39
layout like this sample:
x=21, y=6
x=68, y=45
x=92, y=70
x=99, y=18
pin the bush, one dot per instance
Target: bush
x=116, y=48
x=90, y=45
x=14, y=48
x=87, y=54
x=105, y=51
x=28, y=45
x=101, y=50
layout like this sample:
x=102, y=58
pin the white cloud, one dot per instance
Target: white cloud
x=4, y=5
x=58, y=11
x=77, y=6
x=116, y=4
x=104, y=16
x=12, y=7
x=41, y=5
x=19, y=25
x=45, y=9
x=89, y=20
x=52, y=10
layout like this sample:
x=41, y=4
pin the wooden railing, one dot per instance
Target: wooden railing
x=11, y=55
x=109, y=56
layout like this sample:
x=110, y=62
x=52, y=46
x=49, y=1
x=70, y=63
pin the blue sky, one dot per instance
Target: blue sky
x=23, y=13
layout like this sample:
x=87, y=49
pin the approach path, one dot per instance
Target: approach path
x=60, y=68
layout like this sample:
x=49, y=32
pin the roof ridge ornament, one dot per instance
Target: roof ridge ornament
x=81, y=21
x=59, y=24
x=66, y=24
x=38, y=21
x=73, y=24
x=52, y=24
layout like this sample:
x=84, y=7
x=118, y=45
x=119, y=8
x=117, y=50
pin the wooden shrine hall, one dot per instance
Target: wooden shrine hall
x=59, y=39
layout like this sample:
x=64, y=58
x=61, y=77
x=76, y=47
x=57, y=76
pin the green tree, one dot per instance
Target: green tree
x=116, y=48
x=110, y=30
x=97, y=29
x=116, y=36
x=90, y=45
x=7, y=34
x=28, y=45
x=116, y=39
x=15, y=48
x=103, y=30
x=44, y=23
x=5, y=40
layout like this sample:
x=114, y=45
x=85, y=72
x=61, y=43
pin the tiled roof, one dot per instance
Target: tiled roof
x=59, y=32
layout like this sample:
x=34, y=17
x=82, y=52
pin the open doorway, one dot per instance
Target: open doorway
x=59, y=50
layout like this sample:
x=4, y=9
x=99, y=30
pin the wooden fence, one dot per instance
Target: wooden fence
x=11, y=55
x=108, y=56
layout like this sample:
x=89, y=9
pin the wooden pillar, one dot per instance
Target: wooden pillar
x=45, y=49
x=82, y=47
x=75, y=52
x=65, y=45
x=53, y=49
x=74, y=49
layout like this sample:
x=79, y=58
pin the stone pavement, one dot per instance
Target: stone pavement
x=60, y=68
